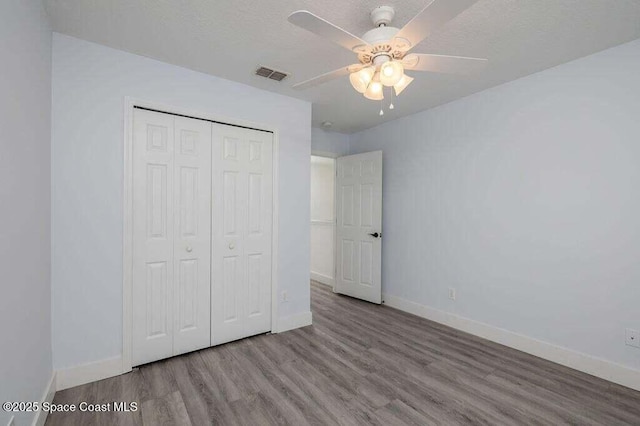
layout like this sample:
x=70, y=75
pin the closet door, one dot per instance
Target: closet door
x=152, y=236
x=192, y=235
x=241, y=225
x=171, y=235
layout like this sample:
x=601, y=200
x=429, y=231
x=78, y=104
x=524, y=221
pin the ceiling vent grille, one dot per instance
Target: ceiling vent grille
x=269, y=73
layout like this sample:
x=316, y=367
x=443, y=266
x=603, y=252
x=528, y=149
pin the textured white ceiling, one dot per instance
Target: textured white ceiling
x=230, y=39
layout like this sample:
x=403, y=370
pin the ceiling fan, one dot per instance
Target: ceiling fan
x=383, y=52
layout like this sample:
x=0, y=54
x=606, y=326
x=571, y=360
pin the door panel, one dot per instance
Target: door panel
x=231, y=286
x=157, y=301
x=188, y=295
x=192, y=238
x=171, y=235
x=241, y=224
x=366, y=263
x=152, y=236
x=254, y=274
x=359, y=214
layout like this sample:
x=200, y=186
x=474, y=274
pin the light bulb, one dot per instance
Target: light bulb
x=361, y=79
x=391, y=72
x=381, y=112
x=374, y=90
x=402, y=84
x=391, y=106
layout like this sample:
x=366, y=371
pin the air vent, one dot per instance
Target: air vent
x=278, y=76
x=264, y=72
x=269, y=73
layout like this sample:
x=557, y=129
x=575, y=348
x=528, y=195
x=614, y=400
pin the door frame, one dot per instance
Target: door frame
x=127, y=243
x=381, y=301
x=334, y=156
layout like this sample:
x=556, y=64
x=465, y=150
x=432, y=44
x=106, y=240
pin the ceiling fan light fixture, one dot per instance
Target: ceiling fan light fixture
x=374, y=90
x=360, y=80
x=391, y=73
x=383, y=52
x=402, y=84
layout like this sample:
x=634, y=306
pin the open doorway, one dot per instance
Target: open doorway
x=346, y=224
x=323, y=219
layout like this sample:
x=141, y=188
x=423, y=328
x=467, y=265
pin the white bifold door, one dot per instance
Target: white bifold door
x=171, y=235
x=201, y=199
x=359, y=226
x=242, y=221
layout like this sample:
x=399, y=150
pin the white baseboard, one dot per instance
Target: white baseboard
x=323, y=279
x=598, y=367
x=86, y=373
x=294, y=321
x=47, y=396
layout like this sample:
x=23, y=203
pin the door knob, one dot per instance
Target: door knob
x=376, y=235
x=232, y=246
x=189, y=249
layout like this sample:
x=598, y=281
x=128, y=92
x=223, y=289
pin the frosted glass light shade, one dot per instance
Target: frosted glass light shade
x=361, y=79
x=391, y=72
x=374, y=91
x=402, y=84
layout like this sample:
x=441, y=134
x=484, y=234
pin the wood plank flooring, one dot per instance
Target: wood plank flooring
x=359, y=364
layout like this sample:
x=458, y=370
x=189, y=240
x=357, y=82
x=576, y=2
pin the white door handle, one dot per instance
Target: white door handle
x=232, y=246
x=189, y=249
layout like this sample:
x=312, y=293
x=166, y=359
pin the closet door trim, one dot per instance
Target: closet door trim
x=127, y=279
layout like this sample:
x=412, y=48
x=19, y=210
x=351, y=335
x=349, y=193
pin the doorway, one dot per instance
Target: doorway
x=346, y=224
x=323, y=219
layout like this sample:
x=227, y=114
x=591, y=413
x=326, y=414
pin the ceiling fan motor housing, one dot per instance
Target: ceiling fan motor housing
x=382, y=15
x=380, y=35
x=380, y=46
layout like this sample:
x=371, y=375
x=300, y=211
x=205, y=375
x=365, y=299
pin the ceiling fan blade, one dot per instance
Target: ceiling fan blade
x=433, y=16
x=323, y=78
x=310, y=22
x=443, y=64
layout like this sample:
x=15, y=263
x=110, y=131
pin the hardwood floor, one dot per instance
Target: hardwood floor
x=359, y=364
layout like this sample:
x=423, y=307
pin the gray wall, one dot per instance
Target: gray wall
x=525, y=198
x=329, y=142
x=25, y=191
x=90, y=83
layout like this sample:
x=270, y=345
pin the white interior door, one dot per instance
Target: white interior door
x=171, y=235
x=359, y=226
x=241, y=224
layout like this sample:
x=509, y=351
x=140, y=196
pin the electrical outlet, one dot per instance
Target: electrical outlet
x=632, y=337
x=285, y=296
x=452, y=293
